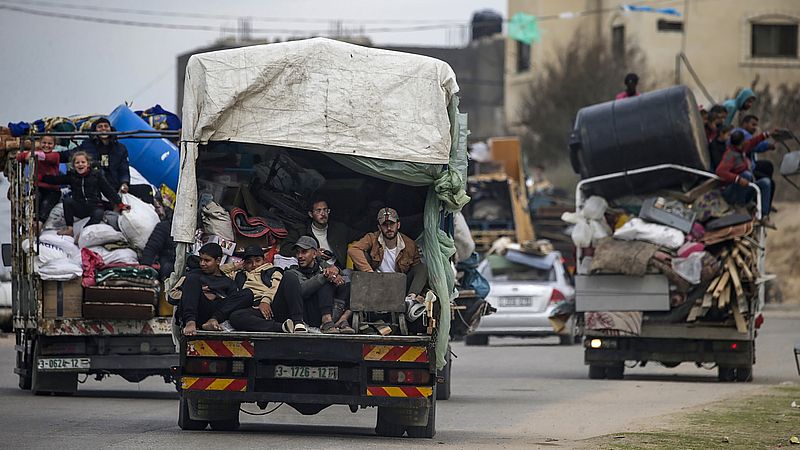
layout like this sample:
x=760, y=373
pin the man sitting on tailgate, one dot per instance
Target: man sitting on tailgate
x=279, y=305
x=388, y=250
x=208, y=296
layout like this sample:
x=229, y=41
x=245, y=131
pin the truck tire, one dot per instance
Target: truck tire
x=597, y=372
x=387, y=428
x=615, y=372
x=24, y=360
x=185, y=421
x=443, y=388
x=429, y=430
x=744, y=374
x=477, y=339
x=225, y=425
x=726, y=374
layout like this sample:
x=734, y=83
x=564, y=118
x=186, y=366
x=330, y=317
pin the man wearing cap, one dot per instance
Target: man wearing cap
x=208, y=296
x=388, y=250
x=320, y=288
x=110, y=155
x=279, y=306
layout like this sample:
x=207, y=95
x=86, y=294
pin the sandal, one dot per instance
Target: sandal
x=329, y=328
x=345, y=328
x=300, y=327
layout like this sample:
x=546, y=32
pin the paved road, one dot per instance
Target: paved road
x=513, y=394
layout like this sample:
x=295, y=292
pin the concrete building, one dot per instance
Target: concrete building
x=729, y=43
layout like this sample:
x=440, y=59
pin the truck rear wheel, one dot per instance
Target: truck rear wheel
x=429, y=430
x=726, y=374
x=386, y=427
x=615, y=372
x=477, y=339
x=185, y=421
x=597, y=372
x=744, y=374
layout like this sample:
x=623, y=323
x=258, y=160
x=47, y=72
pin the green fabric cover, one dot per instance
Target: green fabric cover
x=446, y=194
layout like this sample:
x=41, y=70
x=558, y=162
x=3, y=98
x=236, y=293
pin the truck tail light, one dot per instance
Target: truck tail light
x=556, y=296
x=207, y=366
x=409, y=376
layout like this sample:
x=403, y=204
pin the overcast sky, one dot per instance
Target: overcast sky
x=58, y=66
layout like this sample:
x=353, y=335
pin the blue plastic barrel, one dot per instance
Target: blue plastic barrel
x=157, y=160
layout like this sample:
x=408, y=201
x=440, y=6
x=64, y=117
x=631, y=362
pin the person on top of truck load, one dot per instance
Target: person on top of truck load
x=49, y=194
x=718, y=145
x=208, y=296
x=279, y=308
x=109, y=154
x=160, y=247
x=86, y=185
x=736, y=170
x=743, y=102
x=762, y=168
x=631, y=81
x=318, y=286
x=388, y=250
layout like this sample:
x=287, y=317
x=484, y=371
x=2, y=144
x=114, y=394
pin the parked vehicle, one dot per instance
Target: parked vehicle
x=527, y=298
x=339, y=118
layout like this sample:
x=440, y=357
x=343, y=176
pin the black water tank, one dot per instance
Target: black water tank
x=486, y=23
x=654, y=128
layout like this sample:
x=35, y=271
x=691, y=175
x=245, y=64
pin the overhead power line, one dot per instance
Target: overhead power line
x=196, y=15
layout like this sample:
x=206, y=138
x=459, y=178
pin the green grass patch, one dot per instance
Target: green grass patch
x=761, y=421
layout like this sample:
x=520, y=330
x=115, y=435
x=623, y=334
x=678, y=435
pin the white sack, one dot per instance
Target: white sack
x=118, y=256
x=55, y=220
x=594, y=208
x=582, y=234
x=462, y=237
x=137, y=224
x=637, y=229
x=217, y=221
x=77, y=227
x=59, y=270
x=99, y=234
x=65, y=243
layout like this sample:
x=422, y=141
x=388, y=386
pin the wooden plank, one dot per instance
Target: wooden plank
x=737, y=284
x=726, y=276
x=741, y=324
x=745, y=268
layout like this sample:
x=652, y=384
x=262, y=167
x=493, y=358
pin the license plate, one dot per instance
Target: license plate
x=516, y=301
x=63, y=363
x=307, y=373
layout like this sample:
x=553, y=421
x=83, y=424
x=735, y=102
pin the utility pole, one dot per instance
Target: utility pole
x=244, y=30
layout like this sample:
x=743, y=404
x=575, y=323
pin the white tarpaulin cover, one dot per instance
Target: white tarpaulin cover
x=316, y=94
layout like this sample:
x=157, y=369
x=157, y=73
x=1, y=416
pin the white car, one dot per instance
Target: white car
x=527, y=292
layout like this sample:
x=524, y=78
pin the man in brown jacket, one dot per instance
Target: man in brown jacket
x=387, y=251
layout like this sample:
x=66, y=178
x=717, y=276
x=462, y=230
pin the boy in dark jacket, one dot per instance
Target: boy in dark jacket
x=718, y=145
x=47, y=165
x=87, y=185
x=736, y=170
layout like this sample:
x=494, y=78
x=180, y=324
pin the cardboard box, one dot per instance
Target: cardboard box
x=62, y=299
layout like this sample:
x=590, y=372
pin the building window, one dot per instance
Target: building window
x=618, y=41
x=523, y=57
x=774, y=41
x=669, y=25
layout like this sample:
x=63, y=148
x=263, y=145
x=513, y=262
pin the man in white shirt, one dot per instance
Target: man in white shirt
x=388, y=250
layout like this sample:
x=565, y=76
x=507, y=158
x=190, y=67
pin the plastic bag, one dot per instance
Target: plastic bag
x=99, y=234
x=638, y=230
x=64, y=243
x=217, y=221
x=582, y=234
x=137, y=224
x=55, y=220
x=689, y=268
x=594, y=208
